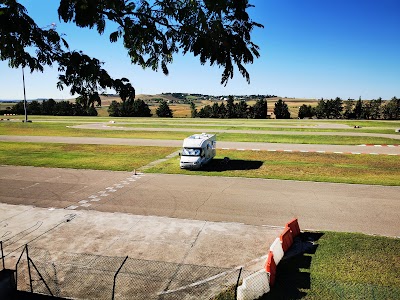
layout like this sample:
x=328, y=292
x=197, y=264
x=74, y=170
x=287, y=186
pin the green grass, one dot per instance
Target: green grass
x=260, y=127
x=96, y=157
x=61, y=129
x=341, y=168
x=344, y=266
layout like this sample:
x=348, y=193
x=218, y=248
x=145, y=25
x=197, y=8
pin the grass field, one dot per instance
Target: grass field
x=59, y=128
x=361, y=169
x=96, y=157
x=261, y=127
x=341, y=266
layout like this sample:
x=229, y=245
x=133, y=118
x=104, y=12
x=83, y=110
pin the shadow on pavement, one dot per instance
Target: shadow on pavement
x=292, y=281
x=219, y=165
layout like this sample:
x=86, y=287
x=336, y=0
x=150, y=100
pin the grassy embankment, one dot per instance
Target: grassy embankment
x=338, y=266
x=344, y=266
x=343, y=168
x=96, y=157
x=61, y=129
x=362, y=169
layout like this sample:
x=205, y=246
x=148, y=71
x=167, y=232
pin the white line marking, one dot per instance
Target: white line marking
x=95, y=200
x=72, y=207
x=225, y=148
x=255, y=149
x=101, y=192
x=271, y=150
x=378, y=145
x=240, y=149
x=304, y=151
x=109, y=188
x=104, y=195
x=320, y=151
x=338, y=152
x=86, y=205
x=131, y=179
x=124, y=182
x=358, y=153
x=287, y=150
x=92, y=196
x=83, y=201
x=52, y=208
x=112, y=191
x=392, y=154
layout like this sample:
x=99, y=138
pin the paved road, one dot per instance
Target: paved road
x=322, y=206
x=395, y=150
x=105, y=126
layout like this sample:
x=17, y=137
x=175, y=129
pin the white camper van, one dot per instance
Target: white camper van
x=198, y=149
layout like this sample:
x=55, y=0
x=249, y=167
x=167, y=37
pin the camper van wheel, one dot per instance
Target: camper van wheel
x=225, y=160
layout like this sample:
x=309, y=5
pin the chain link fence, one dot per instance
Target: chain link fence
x=87, y=276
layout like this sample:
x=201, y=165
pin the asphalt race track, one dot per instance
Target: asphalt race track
x=370, y=209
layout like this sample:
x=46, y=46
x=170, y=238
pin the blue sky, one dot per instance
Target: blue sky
x=309, y=49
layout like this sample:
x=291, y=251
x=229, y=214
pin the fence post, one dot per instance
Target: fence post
x=16, y=269
x=2, y=254
x=29, y=268
x=237, y=282
x=115, y=276
x=41, y=277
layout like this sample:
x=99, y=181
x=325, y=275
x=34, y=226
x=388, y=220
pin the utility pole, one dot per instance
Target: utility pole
x=23, y=83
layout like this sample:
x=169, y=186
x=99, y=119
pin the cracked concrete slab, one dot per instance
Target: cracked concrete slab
x=203, y=243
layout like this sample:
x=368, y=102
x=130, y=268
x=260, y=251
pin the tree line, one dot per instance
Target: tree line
x=138, y=108
x=53, y=108
x=338, y=109
x=231, y=110
x=240, y=110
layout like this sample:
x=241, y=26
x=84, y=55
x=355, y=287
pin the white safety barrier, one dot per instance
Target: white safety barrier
x=254, y=286
x=277, y=249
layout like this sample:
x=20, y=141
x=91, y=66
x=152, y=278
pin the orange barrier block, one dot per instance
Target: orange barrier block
x=270, y=267
x=286, y=238
x=294, y=227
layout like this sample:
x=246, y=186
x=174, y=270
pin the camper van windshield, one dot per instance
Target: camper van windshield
x=191, y=152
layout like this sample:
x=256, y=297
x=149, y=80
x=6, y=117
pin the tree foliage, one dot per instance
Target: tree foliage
x=163, y=111
x=281, y=110
x=217, y=32
x=391, y=110
x=193, y=110
x=23, y=43
x=260, y=109
x=306, y=111
x=234, y=110
x=129, y=108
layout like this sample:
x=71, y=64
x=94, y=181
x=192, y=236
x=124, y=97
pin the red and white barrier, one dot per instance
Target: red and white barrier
x=286, y=238
x=277, y=250
x=254, y=286
x=259, y=283
x=294, y=227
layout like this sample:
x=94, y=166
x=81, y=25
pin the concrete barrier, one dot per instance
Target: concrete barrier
x=254, y=286
x=277, y=250
x=294, y=227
